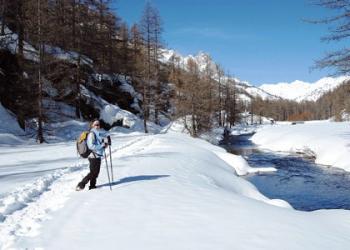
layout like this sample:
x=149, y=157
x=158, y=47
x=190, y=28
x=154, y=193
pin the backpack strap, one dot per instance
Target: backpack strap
x=94, y=139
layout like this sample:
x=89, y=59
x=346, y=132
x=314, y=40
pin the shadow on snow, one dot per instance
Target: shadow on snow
x=134, y=179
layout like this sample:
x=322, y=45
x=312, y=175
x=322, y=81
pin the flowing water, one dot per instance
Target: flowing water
x=305, y=185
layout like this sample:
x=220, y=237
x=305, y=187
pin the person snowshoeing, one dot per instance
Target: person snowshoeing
x=97, y=144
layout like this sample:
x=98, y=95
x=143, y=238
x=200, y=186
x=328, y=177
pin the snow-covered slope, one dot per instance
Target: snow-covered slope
x=296, y=90
x=170, y=191
x=327, y=141
x=300, y=91
x=10, y=41
x=247, y=91
x=204, y=61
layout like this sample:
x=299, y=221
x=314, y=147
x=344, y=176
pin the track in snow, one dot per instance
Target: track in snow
x=22, y=210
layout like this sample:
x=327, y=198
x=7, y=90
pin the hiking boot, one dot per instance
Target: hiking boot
x=79, y=187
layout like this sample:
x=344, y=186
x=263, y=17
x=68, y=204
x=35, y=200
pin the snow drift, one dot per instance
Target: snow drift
x=327, y=141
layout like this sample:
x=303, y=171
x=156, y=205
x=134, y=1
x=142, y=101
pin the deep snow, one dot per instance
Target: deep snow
x=170, y=192
x=328, y=142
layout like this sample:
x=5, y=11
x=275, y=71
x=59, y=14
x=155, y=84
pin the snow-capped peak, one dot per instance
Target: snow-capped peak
x=297, y=90
x=304, y=91
x=202, y=59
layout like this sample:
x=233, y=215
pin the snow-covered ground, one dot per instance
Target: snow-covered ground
x=170, y=192
x=328, y=142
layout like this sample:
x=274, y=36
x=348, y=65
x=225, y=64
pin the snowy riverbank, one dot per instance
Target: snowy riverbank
x=328, y=142
x=170, y=190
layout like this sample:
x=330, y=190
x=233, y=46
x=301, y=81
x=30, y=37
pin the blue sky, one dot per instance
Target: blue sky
x=255, y=40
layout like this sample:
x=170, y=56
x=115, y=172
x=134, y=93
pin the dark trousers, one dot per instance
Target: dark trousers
x=95, y=164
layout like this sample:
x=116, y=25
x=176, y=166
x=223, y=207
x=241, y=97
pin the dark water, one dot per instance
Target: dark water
x=298, y=180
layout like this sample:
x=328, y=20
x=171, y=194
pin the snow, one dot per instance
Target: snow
x=10, y=41
x=8, y=124
x=127, y=87
x=246, y=88
x=240, y=164
x=325, y=140
x=170, y=191
x=304, y=91
x=202, y=59
x=204, y=62
x=69, y=56
x=112, y=113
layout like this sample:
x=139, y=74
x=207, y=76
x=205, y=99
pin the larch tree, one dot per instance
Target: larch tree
x=150, y=27
x=220, y=76
x=157, y=46
x=339, y=29
x=136, y=57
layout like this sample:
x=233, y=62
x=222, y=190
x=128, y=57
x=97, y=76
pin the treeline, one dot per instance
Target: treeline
x=39, y=32
x=97, y=41
x=334, y=104
x=204, y=98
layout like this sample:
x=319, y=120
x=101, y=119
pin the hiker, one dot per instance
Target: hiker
x=97, y=141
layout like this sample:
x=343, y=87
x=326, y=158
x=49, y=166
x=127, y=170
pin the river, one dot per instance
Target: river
x=305, y=185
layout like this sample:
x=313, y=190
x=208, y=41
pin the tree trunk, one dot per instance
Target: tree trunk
x=20, y=28
x=144, y=108
x=40, y=136
x=77, y=100
x=3, y=20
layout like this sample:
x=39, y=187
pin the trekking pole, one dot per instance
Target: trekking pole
x=109, y=141
x=110, y=160
x=109, y=179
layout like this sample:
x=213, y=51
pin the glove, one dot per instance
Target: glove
x=109, y=140
x=105, y=145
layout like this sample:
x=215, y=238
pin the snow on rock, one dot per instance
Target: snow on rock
x=10, y=41
x=327, y=141
x=69, y=56
x=109, y=113
x=10, y=131
x=127, y=87
x=9, y=122
x=112, y=113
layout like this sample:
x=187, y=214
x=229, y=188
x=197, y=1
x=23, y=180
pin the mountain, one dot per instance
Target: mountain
x=204, y=61
x=304, y=91
x=247, y=91
x=296, y=90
